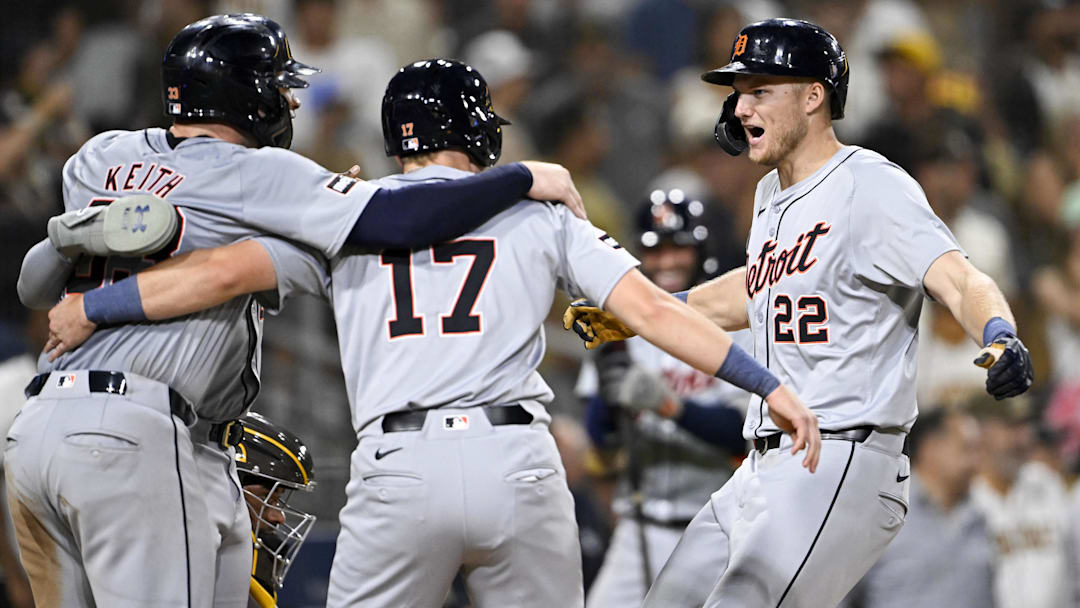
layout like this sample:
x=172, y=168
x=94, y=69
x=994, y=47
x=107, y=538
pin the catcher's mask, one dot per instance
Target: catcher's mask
x=272, y=463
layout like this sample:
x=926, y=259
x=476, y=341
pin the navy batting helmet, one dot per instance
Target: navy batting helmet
x=672, y=217
x=780, y=47
x=230, y=69
x=441, y=104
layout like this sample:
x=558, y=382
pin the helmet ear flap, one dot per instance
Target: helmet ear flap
x=729, y=132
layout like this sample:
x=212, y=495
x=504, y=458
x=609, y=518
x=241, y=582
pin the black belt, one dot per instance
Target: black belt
x=414, y=421
x=858, y=434
x=678, y=524
x=224, y=434
x=114, y=383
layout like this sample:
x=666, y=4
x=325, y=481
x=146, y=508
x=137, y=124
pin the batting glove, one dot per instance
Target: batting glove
x=593, y=325
x=1009, y=371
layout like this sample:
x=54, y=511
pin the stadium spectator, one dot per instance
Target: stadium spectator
x=509, y=70
x=341, y=102
x=948, y=170
x=863, y=27
x=1026, y=508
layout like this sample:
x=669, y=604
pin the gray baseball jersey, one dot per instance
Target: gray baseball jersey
x=224, y=193
x=834, y=275
x=448, y=328
x=465, y=316
x=834, y=281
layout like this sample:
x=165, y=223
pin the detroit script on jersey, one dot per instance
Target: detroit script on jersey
x=834, y=274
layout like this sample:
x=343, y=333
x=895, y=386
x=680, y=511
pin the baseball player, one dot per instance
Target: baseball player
x=272, y=463
x=454, y=467
x=842, y=250
x=94, y=495
x=678, y=427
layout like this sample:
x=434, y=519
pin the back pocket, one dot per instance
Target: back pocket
x=531, y=474
x=101, y=439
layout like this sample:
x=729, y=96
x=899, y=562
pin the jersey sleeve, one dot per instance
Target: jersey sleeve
x=299, y=270
x=592, y=261
x=289, y=195
x=894, y=234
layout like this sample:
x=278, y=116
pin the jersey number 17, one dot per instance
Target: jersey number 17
x=462, y=319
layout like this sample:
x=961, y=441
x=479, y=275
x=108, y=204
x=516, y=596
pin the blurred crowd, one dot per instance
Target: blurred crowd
x=978, y=100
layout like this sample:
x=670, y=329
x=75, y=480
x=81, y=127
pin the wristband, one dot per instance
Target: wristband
x=682, y=296
x=116, y=303
x=996, y=328
x=743, y=371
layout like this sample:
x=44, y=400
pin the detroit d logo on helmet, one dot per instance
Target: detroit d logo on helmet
x=740, y=46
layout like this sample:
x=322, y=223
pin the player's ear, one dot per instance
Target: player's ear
x=815, y=96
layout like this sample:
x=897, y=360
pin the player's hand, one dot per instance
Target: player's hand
x=1008, y=364
x=793, y=417
x=552, y=182
x=68, y=326
x=642, y=390
x=353, y=172
x=593, y=325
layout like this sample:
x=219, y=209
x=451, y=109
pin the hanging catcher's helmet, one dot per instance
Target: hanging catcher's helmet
x=271, y=463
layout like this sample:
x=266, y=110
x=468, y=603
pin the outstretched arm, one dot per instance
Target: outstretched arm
x=977, y=303
x=723, y=300
x=687, y=335
x=970, y=295
x=43, y=276
x=178, y=286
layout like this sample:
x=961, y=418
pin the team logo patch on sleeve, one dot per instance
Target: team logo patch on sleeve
x=609, y=240
x=342, y=184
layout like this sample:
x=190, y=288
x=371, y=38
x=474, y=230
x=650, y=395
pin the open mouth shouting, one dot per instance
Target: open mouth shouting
x=754, y=134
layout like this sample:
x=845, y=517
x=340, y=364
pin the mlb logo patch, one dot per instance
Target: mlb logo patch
x=410, y=144
x=457, y=422
x=65, y=381
x=342, y=184
x=174, y=108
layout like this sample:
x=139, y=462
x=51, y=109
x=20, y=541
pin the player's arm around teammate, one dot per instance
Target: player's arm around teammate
x=205, y=278
x=45, y=270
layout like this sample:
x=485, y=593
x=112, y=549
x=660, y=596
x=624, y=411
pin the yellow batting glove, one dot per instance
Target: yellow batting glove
x=593, y=325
